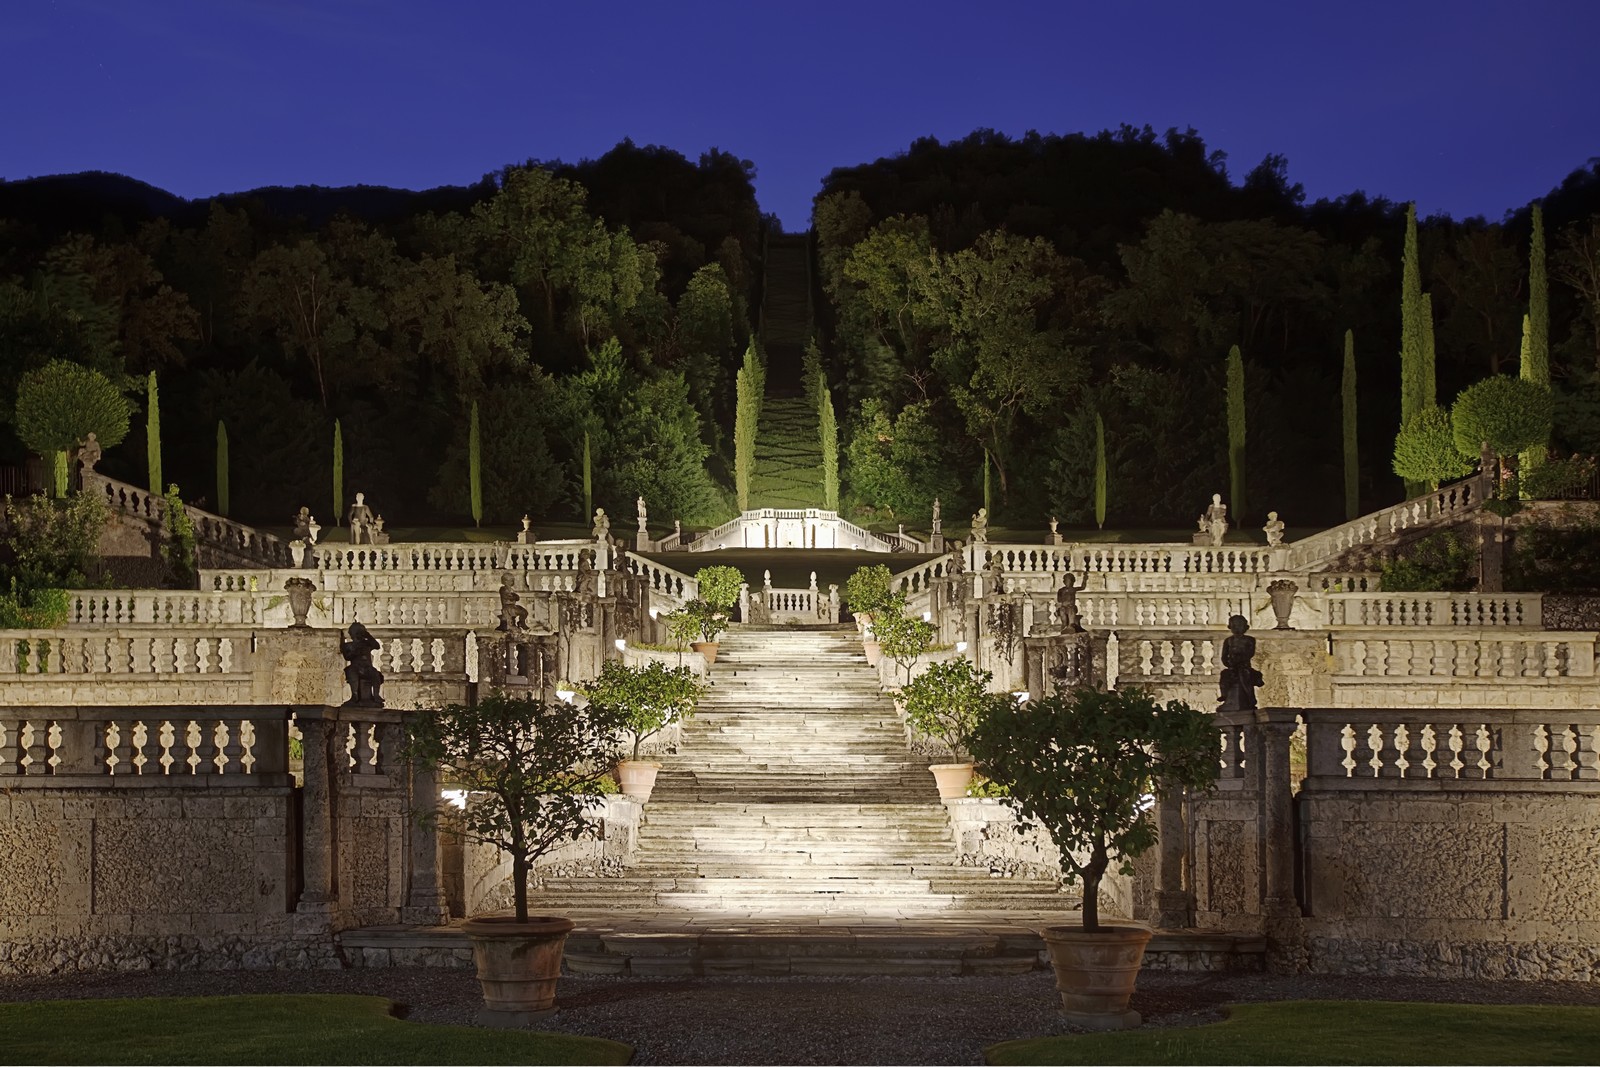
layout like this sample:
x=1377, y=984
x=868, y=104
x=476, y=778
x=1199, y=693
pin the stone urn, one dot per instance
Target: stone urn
x=301, y=591
x=951, y=778
x=518, y=965
x=1095, y=973
x=872, y=649
x=708, y=649
x=1282, y=593
x=637, y=778
x=297, y=552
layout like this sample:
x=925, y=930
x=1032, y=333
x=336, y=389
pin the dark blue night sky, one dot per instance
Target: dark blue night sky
x=1467, y=108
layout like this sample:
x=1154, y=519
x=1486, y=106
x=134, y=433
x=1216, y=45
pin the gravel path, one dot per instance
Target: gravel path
x=803, y=1020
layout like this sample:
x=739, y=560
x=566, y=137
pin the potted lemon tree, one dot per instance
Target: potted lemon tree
x=946, y=702
x=643, y=701
x=1088, y=766
x=719, y=592
x=531, y=769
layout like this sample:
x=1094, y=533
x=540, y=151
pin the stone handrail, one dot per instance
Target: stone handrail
x=210, y=530
x=667, y=586
x=921, y=578
x=1509, y=610
x=200, y=745
x=1519, y=655
x=1408, y=748
x=1449, y=502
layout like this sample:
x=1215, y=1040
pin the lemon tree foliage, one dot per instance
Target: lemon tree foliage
x=719, y=586
x=866, y=588
x=1085, y=765
x=902, y=637
x=644, y=700
x=947, y=701
x=531, y=769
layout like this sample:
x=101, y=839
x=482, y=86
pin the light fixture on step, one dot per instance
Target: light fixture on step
x=622, y=644
x=927, y=616
x=1021, y=695
x=961, y=647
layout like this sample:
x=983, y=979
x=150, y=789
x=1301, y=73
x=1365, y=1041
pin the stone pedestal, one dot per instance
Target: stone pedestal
x=299, y=666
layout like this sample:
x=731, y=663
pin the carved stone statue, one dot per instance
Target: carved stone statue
x=1273, y=529
x=360, y=519
x=587, y=582
x=302, y=526
x=643, y=514
x=89, y=451
x=937, y=521
x=1215, y=520
x=995, y=571
x=1237, y=685
x=602, y=526
x=1067, y=604
x=365, y=680
x=980, y=527
x=513, y=616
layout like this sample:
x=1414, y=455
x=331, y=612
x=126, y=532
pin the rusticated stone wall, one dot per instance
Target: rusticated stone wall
x=140, y=878
x=1454, y=884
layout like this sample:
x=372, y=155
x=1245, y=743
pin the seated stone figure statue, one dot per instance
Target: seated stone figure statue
x=365, y=680
x=1239, y=680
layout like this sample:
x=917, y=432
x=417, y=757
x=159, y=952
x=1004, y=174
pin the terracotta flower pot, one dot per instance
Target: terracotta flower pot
x=708, y=649
x=1095, y=973
x=953, y=779
x=873, y=651
x=518, y=965
x=637, y=778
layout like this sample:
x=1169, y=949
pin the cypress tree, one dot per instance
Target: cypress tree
x=743, y=457
x=1413, y=392
x=828, y=428
x=222, y=468
x=1430, y=377
x=338, y=473
x=1099, y=471
x=1352, y=457
x=1536, y=364
x=152, y=435
x=588, y=479
x=1236, y=432
x=986, y=498
x=475, y=467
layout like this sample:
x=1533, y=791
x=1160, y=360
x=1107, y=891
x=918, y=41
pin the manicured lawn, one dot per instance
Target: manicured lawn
x=1339, y=1031
x=269, y=1029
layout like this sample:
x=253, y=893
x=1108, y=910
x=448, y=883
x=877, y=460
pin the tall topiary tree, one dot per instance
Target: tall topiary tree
x=588, y=479
x=60, y=404
x=748, y=384
x=1536, y=363
x=338, y=473
x=1430, y=373
x=222, y=468
x=152, y=435
x=1236, y=431
x=1352, y=456
x=475, y=467
x=1413, y=391
x=828, y=429
x=1510, y=415
x=1536, y=324
x=1099, y=471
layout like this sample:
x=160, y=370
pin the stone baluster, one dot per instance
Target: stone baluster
x=205, y=745
x=233, y=747
x=1362, y=753
x=1415, y=754
x=1585, y=759
x=1388, y=751
x=123, y=751
x=363, y=753
x=38, y=749
x=1471, y=754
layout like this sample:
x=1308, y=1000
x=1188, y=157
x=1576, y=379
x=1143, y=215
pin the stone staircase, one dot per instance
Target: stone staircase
x=795, y=795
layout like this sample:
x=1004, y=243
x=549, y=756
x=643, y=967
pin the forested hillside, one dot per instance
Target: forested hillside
x=978, y=303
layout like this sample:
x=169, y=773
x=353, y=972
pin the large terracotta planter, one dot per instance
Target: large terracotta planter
x=873, y=651
x=637, y=778
x=708, y=649
x=953, y=779
x=518, y=965
x=1095, y=973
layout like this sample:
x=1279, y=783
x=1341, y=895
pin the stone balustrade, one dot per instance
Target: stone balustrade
x=1111, y=611
x=1447, y=503
x=210, y=531
x=803, y=607
x=790, y=528
x=1346, y=750
x=209, y=746
x=1502, y=657
x=457, y=557
x=165, y=608
x=1365, y=610
x=167, y=651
